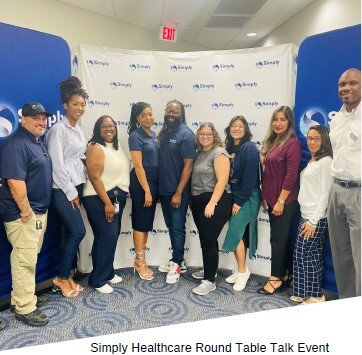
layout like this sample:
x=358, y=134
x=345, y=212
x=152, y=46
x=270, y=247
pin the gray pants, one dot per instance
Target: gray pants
x=344, y=221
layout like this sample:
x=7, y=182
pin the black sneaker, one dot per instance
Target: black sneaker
x=35, y=318
x=2, y=325
x=41, y=301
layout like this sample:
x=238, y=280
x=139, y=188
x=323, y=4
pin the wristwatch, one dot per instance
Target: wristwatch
x=282, y=202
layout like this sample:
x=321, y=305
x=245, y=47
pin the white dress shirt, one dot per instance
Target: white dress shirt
x=66, y=146
x=345, y=136
x=315, y=185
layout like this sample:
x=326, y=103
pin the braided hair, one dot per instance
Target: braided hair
x=69, y=87
x=136, y=110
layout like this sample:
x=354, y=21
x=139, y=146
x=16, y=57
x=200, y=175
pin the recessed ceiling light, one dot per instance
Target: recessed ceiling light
x=251, y=34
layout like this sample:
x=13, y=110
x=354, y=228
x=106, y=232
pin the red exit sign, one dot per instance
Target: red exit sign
x=168, y=34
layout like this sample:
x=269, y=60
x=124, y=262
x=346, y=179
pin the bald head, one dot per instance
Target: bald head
x=349, y=88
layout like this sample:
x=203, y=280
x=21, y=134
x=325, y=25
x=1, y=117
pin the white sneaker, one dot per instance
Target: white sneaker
x=241, y=281
x=204, y=288
x=199, y=275
x=166, y=267
x=116, y=279
x=104, y=289
x=174, y=273
x=232, y=278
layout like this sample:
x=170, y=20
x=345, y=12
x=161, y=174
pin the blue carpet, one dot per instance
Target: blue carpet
x=137, y=304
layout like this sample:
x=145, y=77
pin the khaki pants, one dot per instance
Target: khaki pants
x=26, y=241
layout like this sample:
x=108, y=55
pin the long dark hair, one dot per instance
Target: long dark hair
x=271, y=136
x=229, y=141
x=97, y=138
x=326, y=147
x=183, y=118
x=69, y=87
x=136, y=110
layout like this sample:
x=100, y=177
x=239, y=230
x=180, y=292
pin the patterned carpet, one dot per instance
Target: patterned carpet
x=137, y=304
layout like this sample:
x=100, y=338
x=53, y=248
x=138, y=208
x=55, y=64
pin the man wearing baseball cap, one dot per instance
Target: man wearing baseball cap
x=25, y=193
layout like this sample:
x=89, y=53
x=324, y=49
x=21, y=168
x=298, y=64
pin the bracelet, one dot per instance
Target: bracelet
x=212, y=203
x=312, y=224
x=29, y=214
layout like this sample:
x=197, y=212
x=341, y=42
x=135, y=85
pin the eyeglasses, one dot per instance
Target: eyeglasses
x=315, y=139
x=234, y=126
x=172, y=113
x=108, y=128
x=207, y=135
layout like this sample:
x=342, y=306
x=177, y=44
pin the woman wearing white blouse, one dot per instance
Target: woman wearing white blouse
x=66, y=145
x=316, y=182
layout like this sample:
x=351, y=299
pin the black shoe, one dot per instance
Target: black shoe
x=2, y=325
x=35, y=318
x=263, y=291
x=288, y=281
x=41, y=301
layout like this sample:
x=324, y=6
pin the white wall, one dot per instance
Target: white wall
x=320, y=16
x=78, y=26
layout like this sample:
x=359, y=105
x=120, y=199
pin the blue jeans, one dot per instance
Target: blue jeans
x=72, y=231
x=105, y=236
x=175, y=219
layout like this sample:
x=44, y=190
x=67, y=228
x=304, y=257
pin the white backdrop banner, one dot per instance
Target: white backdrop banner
x=214, y=86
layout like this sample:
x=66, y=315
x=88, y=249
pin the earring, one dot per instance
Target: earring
x=138, y=124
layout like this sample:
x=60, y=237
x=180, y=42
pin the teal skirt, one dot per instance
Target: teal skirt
x=248, y=214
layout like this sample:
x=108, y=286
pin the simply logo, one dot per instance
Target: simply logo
x=311, y=118
x=194, y=232
x=263, y=220
x=267, y=64
x=266, y=104
x=159, y=231
x=125, y=233
x=8, y=120
x=120, y=85
x=187, y=106
x=196, y=125
x=223, y=67
x=123, y=124
x=181, y=68
x=222, y=106
x=162, y=87
x=139, y=67
x=246, y=85
x=263, y=257
x=203, y=87
x=157, y=124
x=224, y=252
x=97, y=103
x=75, y=64
x=97, y=63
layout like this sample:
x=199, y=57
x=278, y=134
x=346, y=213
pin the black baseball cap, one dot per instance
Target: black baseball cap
x=33, y=108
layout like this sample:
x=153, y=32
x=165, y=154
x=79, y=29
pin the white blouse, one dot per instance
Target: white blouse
x=315, y=185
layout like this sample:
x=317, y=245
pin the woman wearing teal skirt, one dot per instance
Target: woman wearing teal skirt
x=244, y=184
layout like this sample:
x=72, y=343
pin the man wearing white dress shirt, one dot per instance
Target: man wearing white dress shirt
x=344, y=210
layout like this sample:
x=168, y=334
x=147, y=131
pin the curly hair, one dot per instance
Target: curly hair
x=229, y=142
x=97, y=138
x=217, y=141
x=136, y=110
x=326, y=147
x=69, y=87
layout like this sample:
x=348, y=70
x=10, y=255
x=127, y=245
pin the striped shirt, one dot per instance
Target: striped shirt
x=66, y=146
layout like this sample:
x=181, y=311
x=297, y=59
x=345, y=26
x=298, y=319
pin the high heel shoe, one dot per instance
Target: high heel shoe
x=288, y=281
x=69, y=294
x=263, y=291
x=145, y=249
x=76, y=287
x=139, y=265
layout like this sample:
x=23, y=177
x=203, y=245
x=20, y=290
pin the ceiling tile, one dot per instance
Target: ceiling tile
x=217, y=34
x=188, y=34
x=194, y=7
x=102, y=7
x=151, y=21
x=122, y=7
x=226, y=22
x=184, y=21
x=239, y=7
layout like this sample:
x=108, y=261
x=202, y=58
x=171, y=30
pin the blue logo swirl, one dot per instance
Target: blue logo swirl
x=311, y=118
x=8, y=121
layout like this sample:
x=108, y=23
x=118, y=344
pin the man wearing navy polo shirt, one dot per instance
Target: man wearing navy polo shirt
x=25, y=193
x=177, y=154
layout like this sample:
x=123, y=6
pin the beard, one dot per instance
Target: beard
x=173, y=123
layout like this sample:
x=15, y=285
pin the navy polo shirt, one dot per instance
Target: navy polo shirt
x=141, y=141
x=24, y=158
x=174, y=147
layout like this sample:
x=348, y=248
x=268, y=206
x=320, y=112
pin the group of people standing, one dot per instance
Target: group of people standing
x=220, y=182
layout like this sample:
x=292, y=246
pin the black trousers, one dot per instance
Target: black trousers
x=283, y=231
x=210, y=229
